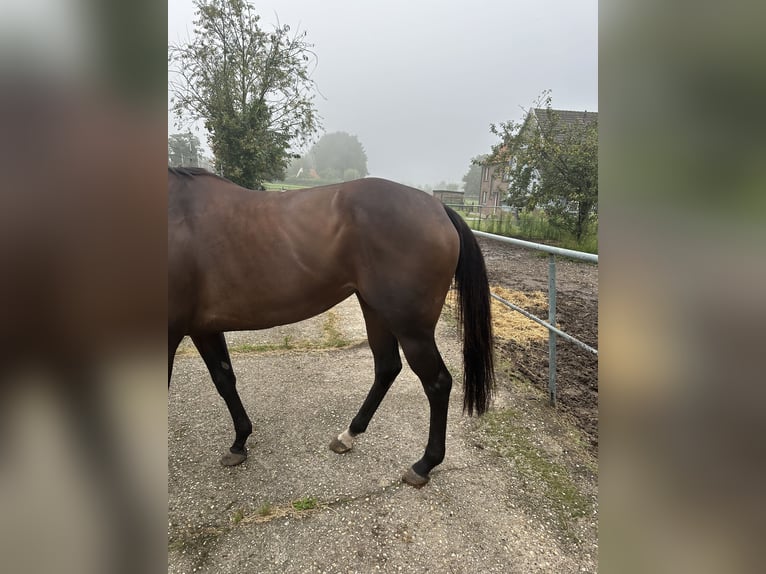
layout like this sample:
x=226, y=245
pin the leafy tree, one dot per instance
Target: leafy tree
x=551, y=165
x=183, y=149
x=472, y=178
x=252, y=89
x=336, y=153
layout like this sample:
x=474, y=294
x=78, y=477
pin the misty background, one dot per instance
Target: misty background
x=419, y=83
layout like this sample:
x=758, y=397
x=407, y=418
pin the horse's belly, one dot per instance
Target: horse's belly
x=266, y=310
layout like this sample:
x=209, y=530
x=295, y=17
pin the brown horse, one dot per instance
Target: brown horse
x=241, y=259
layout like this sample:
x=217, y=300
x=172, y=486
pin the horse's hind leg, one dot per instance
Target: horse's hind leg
x=424, y=359
x=216, y=356
x=388, y=364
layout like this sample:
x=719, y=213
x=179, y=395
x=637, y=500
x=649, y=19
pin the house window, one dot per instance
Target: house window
x=485, y=173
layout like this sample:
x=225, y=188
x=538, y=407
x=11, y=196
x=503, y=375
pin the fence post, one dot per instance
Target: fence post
x=551, y=334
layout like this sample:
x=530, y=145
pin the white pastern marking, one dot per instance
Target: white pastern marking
x=346, y=438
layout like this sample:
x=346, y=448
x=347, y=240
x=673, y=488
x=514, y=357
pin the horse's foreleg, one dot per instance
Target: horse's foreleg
x=216, y=356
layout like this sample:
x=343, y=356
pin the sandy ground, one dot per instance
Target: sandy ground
x=516, y=492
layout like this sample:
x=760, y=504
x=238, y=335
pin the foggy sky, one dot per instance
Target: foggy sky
x=419, y=81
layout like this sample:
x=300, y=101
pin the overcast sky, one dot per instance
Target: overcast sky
x=419, y=81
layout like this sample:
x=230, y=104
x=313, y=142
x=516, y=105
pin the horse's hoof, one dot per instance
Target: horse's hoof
x=233, y=458
x=337, y=446
x=414, y=479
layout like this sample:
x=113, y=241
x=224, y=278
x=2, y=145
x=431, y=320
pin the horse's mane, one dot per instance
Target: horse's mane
x=196, y=171
x=182, y=171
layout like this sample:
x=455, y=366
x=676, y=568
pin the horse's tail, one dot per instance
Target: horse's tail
x=474, y=314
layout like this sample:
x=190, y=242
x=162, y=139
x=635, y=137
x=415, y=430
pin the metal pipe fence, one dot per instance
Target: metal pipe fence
x=553, y=331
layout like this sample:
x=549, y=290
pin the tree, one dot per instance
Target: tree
x=251, y=88
x=337, y=153
x=472, y=178
x=552, y=165
x=183, y=149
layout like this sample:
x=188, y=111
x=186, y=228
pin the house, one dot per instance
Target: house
x=493, y=189
x=494, y=178
x=565, y=119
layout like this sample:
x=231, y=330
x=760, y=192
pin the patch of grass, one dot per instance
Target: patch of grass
x=305, y=503
x=266, y=509
x=278, y=186
x=510, y=439
x=250, y=348
x=537, y=228
x=286, y=344
x=333, y=337
x=238, y=515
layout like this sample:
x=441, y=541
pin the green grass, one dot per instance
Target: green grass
x=286, y=344
x=535, y=227
x=305, y=503
x=333, y=337
x=509, y=438
x=277, y=186
x=265, y=509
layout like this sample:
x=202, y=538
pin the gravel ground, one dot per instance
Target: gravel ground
x=516, y=492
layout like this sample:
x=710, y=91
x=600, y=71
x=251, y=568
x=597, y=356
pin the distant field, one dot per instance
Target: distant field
x=277, y=186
